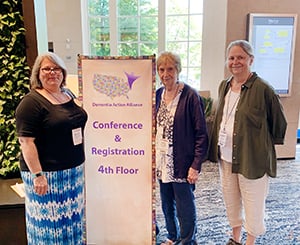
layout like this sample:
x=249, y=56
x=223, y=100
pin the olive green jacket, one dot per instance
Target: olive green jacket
x=259, y=125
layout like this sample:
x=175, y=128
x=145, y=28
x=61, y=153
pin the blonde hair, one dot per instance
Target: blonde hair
x=34, y=78
x=165, y=56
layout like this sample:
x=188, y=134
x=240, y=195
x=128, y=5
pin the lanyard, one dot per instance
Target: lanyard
x=229, y=112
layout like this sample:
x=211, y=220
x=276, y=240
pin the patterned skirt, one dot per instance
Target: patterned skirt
x=58, y=217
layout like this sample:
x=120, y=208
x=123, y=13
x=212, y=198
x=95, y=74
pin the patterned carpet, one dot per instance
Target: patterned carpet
x=282, y=207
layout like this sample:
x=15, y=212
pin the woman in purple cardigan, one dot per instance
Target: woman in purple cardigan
x=181, y=147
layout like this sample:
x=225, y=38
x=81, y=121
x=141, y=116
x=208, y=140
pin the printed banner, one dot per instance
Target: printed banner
x=118, y=95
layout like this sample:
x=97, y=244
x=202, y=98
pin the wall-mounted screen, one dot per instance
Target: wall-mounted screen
x=273, y=39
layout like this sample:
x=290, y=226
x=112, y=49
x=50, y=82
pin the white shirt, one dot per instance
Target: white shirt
x=227, y=125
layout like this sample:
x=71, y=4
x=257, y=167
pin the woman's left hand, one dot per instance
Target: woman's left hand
x=40, y=185
x=192, y=176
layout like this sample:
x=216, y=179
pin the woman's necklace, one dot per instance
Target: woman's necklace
x=58, y=99
x=167, y=100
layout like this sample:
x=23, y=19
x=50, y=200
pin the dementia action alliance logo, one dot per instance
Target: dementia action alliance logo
x=114, y=86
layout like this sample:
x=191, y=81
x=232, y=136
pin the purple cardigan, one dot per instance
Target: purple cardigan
x=190, y=139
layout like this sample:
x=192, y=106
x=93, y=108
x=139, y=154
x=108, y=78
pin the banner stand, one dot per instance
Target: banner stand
x=118, y=94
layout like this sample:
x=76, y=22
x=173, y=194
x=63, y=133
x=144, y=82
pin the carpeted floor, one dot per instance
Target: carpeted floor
x=282, y=207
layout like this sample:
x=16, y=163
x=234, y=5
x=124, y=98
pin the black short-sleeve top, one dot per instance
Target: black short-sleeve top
x=54, y=128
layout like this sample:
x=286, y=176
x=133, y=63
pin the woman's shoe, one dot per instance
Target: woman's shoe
x=168, y=242
x=232, y=242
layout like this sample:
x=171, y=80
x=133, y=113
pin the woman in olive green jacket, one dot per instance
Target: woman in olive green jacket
x=249, y=122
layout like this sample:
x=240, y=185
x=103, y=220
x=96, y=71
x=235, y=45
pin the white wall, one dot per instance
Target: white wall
x=213, y=45
x=64, y=30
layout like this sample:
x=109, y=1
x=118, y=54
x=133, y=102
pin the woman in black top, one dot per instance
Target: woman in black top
x=50, y=128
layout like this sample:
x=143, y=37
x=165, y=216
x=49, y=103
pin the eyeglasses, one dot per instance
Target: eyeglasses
x=48, y=70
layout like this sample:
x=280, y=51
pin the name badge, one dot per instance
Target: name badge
x=222, y=138
x=162, y=144
x=77, y=136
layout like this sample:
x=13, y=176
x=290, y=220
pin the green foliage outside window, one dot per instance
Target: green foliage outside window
x=136, y=28
x=14, y=82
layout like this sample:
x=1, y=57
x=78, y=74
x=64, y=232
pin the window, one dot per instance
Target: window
x=184, y=36
x=146, y=27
